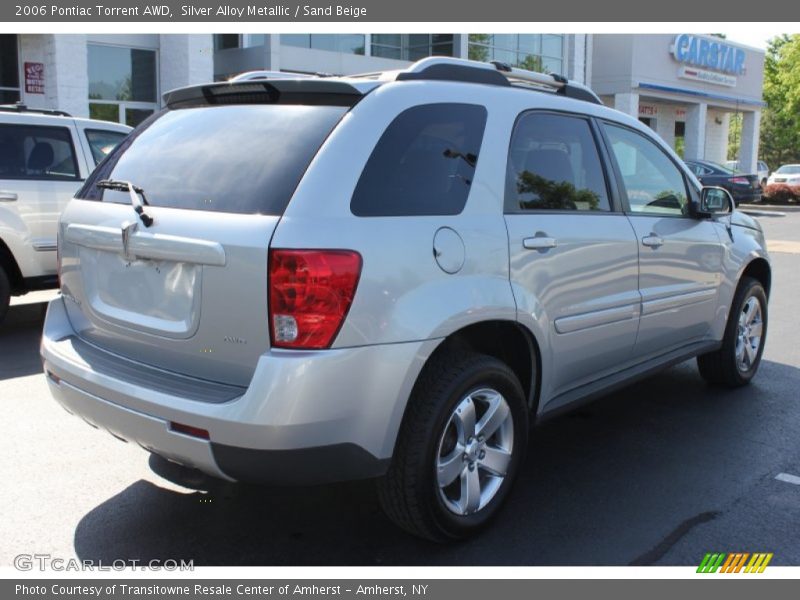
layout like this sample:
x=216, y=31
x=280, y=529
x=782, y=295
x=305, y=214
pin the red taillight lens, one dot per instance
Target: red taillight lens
x=310, y=292
x=740, y=180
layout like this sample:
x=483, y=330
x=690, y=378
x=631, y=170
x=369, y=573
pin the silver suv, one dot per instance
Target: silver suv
x=390, y=276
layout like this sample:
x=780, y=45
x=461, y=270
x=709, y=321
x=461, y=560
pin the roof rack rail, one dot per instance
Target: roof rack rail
x=262, y=74
x=19, y=107
x=445, y=68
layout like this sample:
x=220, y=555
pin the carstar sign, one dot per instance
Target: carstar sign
x=708, y=54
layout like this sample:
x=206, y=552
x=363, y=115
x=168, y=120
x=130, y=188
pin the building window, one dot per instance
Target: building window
x=123, y=83
x=536, y=52
x=227, y=41
x=9, y=69
x=411, y=46
x=680, y=137
x=347, y=43
x=256, y=39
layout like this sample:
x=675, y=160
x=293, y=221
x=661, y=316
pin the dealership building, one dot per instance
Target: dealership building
x=686, y=87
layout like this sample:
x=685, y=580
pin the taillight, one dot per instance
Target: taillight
x=740, y=180
x=310, y=292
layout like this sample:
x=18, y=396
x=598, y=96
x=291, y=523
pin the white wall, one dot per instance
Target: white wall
x=185, y=60
x=66, y=76
x=717, y=135
x=311, y=60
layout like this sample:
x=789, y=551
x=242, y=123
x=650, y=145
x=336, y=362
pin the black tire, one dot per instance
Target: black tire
x=5, y=294
x=409, y=493
x=721, y=367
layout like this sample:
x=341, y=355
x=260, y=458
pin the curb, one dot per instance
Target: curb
x=771, y=207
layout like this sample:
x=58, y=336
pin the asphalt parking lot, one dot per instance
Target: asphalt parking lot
x=657, y=474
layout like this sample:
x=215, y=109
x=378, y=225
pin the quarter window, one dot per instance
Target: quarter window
x=31, y=152
x=653, y=183
x=423, y=163
x=553, y=164
x=102, y=142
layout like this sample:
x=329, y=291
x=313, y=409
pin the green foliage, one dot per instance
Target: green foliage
x=478, y=46
x=780, y=125
x=532, y=63
x=735, y=136
x=554, y=195
x=680, y=145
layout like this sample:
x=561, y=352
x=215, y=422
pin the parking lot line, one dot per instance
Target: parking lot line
x=783, y=246
x=788, y=478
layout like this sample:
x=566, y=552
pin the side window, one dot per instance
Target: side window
x=698, y=169
x=553, y=164
x=34, y=152
x=423, y=163
x=102, y=141
x=652, y=181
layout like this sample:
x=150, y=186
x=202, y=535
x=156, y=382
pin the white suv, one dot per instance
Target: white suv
x=44, y=157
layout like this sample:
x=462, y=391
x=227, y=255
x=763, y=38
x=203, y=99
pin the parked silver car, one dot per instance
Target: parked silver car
x=391, y=277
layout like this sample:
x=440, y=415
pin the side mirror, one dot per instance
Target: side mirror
x=714, y=201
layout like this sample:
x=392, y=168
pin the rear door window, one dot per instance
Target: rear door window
x=553, y=164
x=37, y=152
x=244, y=159
x=423, y=163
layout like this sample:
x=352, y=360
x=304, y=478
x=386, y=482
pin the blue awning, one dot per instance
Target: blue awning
x=698, y=94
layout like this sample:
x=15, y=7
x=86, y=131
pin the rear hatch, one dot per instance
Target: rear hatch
x=189, y=292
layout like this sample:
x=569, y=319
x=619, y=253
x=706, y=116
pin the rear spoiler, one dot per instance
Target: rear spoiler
x=314, y=91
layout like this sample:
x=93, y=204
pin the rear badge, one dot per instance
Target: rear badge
x=234, y=340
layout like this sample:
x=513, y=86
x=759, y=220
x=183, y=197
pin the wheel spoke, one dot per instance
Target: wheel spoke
x=750, y=352
x=495, y=416
x=465, y=417
x=470, y=491
x=756, y=329
x=750, y=309
x=451, y=466
x=496, y=461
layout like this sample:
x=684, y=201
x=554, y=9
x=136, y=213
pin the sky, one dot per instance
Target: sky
x=754, y=36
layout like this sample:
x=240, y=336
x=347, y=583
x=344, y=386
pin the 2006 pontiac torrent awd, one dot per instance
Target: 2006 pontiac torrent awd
x=390, y=276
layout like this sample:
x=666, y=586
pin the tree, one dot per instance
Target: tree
x=735, y=136
x=532, y=63
x=479, y=46
x=780, y=125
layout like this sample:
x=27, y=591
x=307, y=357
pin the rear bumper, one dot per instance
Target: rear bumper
x=306, y=417
x=747, y=196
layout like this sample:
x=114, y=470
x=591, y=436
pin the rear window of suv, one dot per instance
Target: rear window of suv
x=244, y=159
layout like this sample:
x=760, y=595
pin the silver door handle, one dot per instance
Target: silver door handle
x=539, y=243
x=8, y=197
x=653, y=241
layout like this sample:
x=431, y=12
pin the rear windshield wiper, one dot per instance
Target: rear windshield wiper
x=134, y=191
